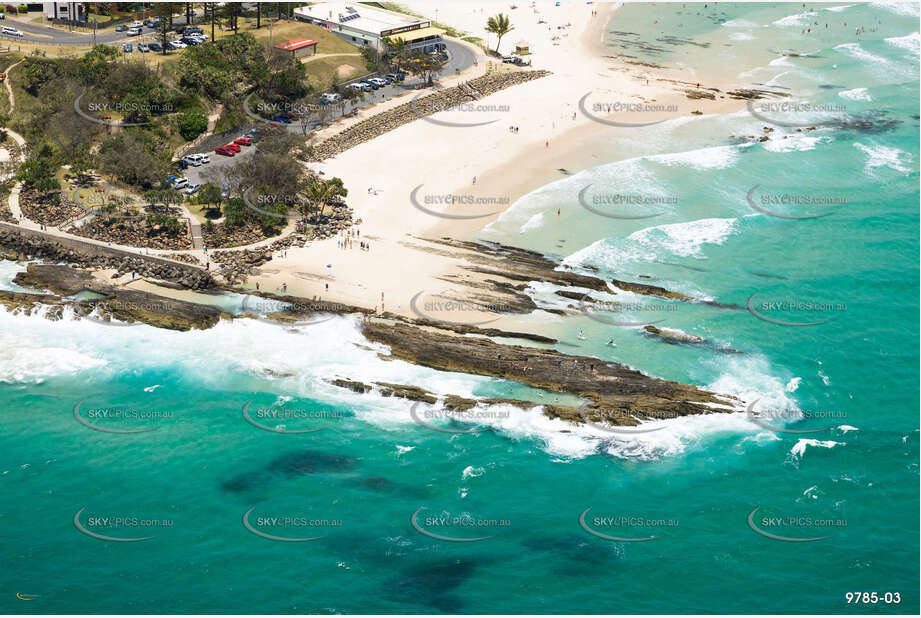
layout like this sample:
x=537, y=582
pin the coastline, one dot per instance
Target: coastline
x=382, y=174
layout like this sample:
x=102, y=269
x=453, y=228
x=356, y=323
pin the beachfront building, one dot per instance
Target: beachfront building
x=297, y=48
x=366, y=25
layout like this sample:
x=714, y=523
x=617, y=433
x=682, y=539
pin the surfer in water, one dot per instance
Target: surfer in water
x=612, y=344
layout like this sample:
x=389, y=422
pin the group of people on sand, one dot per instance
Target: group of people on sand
x=347, y=241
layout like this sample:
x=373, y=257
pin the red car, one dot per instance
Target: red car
x=223, y=150
x=243, y=141
x=234, y=147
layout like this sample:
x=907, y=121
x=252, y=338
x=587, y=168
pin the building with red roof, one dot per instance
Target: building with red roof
x=298, y=48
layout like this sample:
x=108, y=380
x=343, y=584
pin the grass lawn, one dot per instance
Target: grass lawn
x=198, y=211
x=321, y=71
x=327, y=43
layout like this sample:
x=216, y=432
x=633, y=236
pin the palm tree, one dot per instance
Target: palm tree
x=317, y=193
x=499, y=25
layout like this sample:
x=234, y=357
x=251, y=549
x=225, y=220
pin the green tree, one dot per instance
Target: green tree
x=398, y=49
x=209, y=194
x=192, y=123
x=164, y=10
x=500, y=26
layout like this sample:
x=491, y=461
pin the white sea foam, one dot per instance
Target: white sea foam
x=884, y=156
x=150, y=389
x=847, y=428
x=857, y=94
x=838, y=9
x=659, y=242
x=911, y=42
x=741, y=36
x=909, y=9
x=800, y=19
x=533, y=223
x=792, y=385
x=21, y=363
x=685, y=239
x=8, y=271
x=750, y=379
x=856, y=51
x=799, y=449
x=472, y=472
x=715, y=157
x=796, y=142
x=739, y=23
x=275, y=360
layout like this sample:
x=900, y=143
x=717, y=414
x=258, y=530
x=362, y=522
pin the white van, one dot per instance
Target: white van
x=180, y=183
x=10, y=31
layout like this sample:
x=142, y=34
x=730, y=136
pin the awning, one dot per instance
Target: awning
x=421, y=33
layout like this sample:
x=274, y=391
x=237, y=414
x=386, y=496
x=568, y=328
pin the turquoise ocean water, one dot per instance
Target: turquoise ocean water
x=690, y=486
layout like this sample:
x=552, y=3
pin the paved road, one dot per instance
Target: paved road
x=35, y=33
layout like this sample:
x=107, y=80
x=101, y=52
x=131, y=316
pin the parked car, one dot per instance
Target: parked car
x=355, y=87
x=134, y=32
x=178, y=44
x=180, y=183
x=233, y=147
x=190, y=160
x=149, y=23
x=121, y=28
x=169, y=179
x=191, y=189
x=370, y=85
x=10, y=31
x=136, y=24
x=224, y=150
x=154, y=47
x=2, y=15
x=379, y=81
x=142, y=47
x=243, y=141
x=182, y=164
x=127, y=48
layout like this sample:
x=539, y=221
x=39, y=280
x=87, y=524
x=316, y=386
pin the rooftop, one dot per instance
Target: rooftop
x=421, y=33
x=295, y=44
x=359, y=16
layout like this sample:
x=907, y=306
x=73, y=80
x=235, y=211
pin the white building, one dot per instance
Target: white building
x=74, y=11
x=366, y=25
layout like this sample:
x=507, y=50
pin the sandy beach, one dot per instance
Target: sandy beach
x=487, y=163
